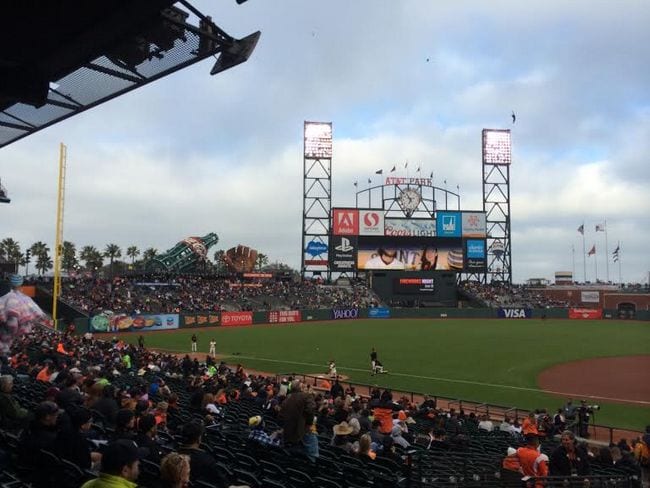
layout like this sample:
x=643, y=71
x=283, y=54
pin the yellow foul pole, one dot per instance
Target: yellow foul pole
x=58, y=246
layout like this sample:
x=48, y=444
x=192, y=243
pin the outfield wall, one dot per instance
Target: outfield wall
x=144, y=323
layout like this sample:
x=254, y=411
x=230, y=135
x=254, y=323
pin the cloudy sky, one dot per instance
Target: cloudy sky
x=400, y=80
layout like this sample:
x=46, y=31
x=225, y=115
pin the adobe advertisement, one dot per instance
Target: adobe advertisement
x=345, y=222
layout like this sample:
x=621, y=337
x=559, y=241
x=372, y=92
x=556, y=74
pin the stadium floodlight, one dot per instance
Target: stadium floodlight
x=318, y=139
x=497, y=146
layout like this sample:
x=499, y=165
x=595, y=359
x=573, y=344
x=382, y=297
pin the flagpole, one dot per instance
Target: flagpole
x=606, y=253
x=596, y=263
x=573, y=263
x=584, y=256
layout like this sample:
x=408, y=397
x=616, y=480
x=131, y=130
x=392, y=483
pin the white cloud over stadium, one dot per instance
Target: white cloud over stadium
x=410, y=80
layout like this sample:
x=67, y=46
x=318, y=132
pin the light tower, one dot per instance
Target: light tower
x=317, y=198
x=497, y=156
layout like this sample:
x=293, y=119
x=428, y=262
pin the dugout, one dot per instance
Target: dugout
x=416, y=289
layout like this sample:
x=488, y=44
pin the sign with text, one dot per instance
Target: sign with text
x=137, y=323
x=448, y=224
x=284, y=316
x=345, y=313
x=345, y=222
x=371, y=222
x=379, y=313
x=234, y=319
x=590, y=297
x=410, y=227
x=585, y=313
x=514, y=313
x=343, y=253
x=200, y=320
x=474, y=224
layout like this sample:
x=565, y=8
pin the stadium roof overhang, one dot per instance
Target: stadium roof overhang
x=60, y=58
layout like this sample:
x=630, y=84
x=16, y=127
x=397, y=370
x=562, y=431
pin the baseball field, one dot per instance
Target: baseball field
x=523, y=363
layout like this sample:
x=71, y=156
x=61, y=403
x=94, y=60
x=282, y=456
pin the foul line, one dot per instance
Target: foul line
x=448, y=380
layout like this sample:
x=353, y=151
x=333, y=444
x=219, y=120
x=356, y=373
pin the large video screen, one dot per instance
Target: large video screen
x=410, y=254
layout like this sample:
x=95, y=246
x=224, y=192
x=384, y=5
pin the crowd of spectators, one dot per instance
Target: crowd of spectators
x=133, y=415
x=504, y=295
x=193, y=293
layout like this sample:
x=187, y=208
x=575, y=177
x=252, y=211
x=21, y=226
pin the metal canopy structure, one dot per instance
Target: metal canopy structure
x=58, y=59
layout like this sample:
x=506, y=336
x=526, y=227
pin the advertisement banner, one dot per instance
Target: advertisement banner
x=345, y=222
x=392, y=254
x=475, y=255
x=314, y=248
x=590, y=297
x=410, y=227
x=133, y=323
x=345, y=313
x=414, y=286
x=514, y=313
x=379, y=313
x=474, y=224
x=284, y=316
x=235, y=319
x=343, y=253
x=371, y=222
x=200, y=320
x=585, y=313
x=448, y=224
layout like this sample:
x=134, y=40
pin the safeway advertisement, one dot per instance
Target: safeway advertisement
x=234, y=319
x=585, y=313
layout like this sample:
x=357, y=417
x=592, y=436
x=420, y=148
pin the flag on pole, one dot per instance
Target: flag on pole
x=406, y=165
x=431, y=175
x=392, y=170
x=600, y=227
x=369, y=181
x=581, y=229
x=356, y=183
x=615, y=253
x=592, y=250
x=379, y=172
x=418, y=170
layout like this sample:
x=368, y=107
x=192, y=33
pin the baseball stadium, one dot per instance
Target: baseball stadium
x=400, y=354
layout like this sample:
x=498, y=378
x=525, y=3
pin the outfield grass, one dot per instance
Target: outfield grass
x=492, y=361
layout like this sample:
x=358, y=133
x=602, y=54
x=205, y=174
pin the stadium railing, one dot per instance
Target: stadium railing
x=601, y=433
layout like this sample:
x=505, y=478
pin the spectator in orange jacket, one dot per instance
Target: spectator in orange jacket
x=533, y=463
x=529, y=425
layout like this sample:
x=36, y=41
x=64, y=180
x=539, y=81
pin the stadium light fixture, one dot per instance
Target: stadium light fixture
x=497, y=146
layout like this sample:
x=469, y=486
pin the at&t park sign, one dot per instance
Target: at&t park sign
x=394, y=180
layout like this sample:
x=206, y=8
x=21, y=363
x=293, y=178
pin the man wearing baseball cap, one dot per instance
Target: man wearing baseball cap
x=120, y=466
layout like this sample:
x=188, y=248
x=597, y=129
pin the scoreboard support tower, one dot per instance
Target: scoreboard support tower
x=497, y=157
x=317, y=199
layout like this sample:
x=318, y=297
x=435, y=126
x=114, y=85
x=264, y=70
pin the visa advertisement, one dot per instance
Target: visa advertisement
x=133, y=323
x=514, y=313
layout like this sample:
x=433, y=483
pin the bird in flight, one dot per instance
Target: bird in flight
x=514, y=117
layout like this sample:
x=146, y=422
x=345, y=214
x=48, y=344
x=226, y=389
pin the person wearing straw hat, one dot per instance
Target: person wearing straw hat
x=341, y=437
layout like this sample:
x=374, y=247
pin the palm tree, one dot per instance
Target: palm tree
x=92, y=257
x=219, y=260
x=261, y=261
x=149, y=254
x=112, y=251
x=69, y=256
x=43, y=262
x=10, y=251
x=39, y=249
x=133, y=252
